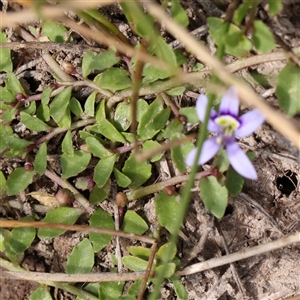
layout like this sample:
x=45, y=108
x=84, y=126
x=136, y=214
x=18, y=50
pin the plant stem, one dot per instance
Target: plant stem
x=64, y=286
x=153, y=188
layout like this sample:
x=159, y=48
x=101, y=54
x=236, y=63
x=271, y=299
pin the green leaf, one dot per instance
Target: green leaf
x=139, y=251
x=134, y=289
x=137, y=172
x=33, y=123
x=288, y=89
x=175, y=127
x=14, y=142
x=134, y=263
x=46, y=95
x=178, y=154
x=59, y=105
x=221, y=162
x=67, y=144
x=102, y=219
x=180, y=290
x=163, y=253
x=60, y=215
x=152, y=73
x=161, y=119
x=9, y=115
x=146, y=128
x=114, y=79
x=5, y=59
x=41, y=293
x=241, y=11
x=168, y=269
x=148, y=145
x=262, y=37
x=167, y=209
x=214, y=196
x=40, y=161
x=13, y=84
x=18, y=181
x=55, y=32
x=65, y=121
x=76, y=108
x=239, y=44
x=122, y=180
x=234, y=182
x=73, y=165
x=104, y=60
x=105, y=127
x=111, y=290
x=190, y=114
x=3, y=186
x=134, y=223
x=122, y=116
x=30, y=109
x=179, y=14
x=104, y=169
x=86, y=61
x=81, y=259
x=275, y=6
x=163, y=51
x=141, y=107
x=21, y=238
x=6, y=95
x=89, y=106
x=43, y=112
x=97, y=148
x=176, y=91
x=99, y=194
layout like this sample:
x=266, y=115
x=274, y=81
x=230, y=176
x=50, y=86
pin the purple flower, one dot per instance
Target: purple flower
x=228, y=126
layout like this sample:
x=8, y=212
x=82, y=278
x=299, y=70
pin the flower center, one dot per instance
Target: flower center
x=228, y=123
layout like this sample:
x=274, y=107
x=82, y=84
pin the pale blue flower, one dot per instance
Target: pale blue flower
x=228, y=126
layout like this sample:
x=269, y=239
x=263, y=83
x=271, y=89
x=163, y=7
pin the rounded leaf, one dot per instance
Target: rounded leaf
x=214, y=196
x=81, y=260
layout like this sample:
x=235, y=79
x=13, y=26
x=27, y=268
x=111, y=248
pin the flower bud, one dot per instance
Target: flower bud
x=68, y=68
x=64, y=197
x=85, y=148
x=20, y=97
x=121, y=200
x=28, y=166
x=170, y=190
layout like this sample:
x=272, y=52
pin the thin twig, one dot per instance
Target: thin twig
x=49, y=46
x=141, y=156
x=148, y=271
x=80, y=228
x=243, y=254
x=154, y=188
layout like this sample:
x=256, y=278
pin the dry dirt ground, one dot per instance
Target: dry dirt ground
x=266, y=210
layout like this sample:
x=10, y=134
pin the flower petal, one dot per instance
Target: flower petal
x=209, y=149
x=250, y=121
x=201, y=106
x=230, y=103
x=191, y=157
x=240, y=161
